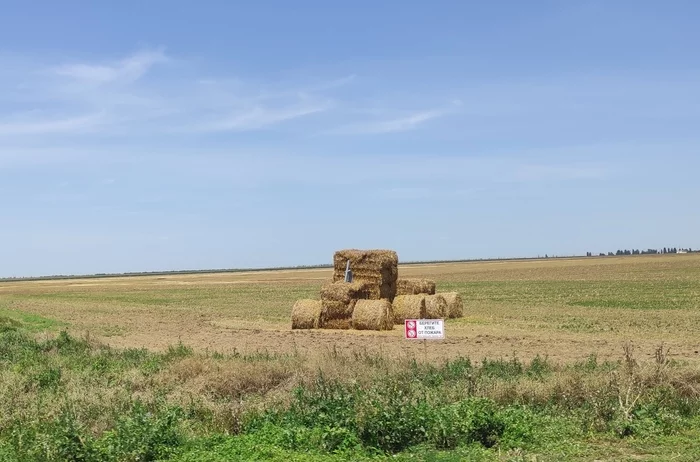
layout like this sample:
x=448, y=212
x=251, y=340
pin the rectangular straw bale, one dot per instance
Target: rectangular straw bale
x=435, y=306
x=455, y=307
x=408, y=307
x=338, y=300
x=306, y=314
x=373, y=315
x=415, y=286
x=377, y=267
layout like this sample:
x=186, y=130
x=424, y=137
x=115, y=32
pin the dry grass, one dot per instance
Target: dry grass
x=568, y=308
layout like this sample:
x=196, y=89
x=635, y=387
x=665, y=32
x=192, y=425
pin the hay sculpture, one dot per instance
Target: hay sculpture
x=455, y=307
x=376, y=299
x=435, y=306
x=306, y=314
x=415, y=286
x=338, y=302
x=373, y=315
x=379, y=268
x=408, y=307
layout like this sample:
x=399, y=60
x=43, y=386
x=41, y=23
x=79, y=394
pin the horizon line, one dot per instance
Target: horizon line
x=295, y=267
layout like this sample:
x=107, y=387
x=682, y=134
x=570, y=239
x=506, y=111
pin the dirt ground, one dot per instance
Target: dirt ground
x=564, y=309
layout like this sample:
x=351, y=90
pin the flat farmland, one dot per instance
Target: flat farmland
x=565, y=309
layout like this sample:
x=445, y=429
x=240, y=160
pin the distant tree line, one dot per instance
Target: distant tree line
x=665, y=250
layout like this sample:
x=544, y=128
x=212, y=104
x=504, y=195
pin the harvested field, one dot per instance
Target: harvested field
x=566, y=309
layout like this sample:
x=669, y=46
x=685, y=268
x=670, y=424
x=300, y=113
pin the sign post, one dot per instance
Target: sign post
x=424, y=329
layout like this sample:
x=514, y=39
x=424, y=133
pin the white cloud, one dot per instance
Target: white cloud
x=79, y=124
x=400, y=124
x=395, y=124
x=561, y=172
x=337, y=83
x=106, y=96
x=128, y=69
x=259, y=117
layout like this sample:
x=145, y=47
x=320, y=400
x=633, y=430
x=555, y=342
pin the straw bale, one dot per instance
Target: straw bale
x=415, y=286
x=306, y=314
x=338, y=300
x=377, y=267
x=408, y=307
x=455, y=307
x=373, y=315
x=435, y=306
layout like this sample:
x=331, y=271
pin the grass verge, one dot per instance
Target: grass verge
x=66, y=398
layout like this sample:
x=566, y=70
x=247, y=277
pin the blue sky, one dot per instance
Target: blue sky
x=141, y=136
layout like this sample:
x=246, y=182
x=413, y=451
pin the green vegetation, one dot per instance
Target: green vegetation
x=66, y=398
x=31, y=322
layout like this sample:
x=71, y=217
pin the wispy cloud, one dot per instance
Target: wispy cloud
x=114, y=96
x=336, y=83
x=395, y=124
x=35, y=126
x=400, y=124
x=259, y=117
x=108, y=96
x=128, y=69
x=561, y=172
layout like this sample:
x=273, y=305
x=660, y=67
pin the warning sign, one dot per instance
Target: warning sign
x=424, y=329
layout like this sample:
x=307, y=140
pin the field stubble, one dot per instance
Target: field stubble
x=566, y=309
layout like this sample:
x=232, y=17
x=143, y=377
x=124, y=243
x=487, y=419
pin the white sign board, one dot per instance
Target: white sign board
x=424, y=329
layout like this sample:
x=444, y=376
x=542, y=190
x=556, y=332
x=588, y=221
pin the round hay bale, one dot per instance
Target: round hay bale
x=455, y=307
x=373, y=315
x=415, y=286
x=435, y=307
x=408, y=307
x=306, y=314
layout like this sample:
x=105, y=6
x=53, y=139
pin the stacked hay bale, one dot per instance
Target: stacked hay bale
x=379, y=268
x=373, y=315
x=376, y=299
x=338, y=301
x=415, y=286
x=421, y=306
